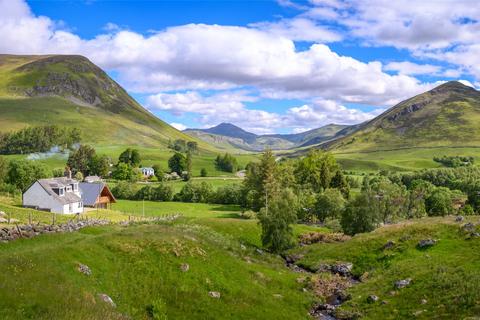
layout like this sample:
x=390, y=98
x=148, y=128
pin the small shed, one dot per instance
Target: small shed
x=96, y=195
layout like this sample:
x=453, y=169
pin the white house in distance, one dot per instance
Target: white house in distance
x=58, y=195
x=147, y=172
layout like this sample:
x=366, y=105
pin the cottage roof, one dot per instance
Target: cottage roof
x=55, y=183
x=91, y=191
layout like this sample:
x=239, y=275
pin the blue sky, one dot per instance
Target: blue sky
x=267, y=66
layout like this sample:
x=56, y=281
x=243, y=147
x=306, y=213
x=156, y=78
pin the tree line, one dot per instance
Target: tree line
x=38, y=139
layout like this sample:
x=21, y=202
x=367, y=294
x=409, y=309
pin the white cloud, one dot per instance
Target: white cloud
x=198, y=56
x=299, y=29
x=178, y=126
x=406, y=24
x=230, y=107
x=410, y=68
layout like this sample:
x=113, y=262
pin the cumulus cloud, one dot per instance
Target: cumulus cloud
x=198, y=56
x=299, y=29
x=230, y=107
x=410, y=68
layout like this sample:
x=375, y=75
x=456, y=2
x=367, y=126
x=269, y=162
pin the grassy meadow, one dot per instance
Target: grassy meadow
x=445, y=277
x=407, y=159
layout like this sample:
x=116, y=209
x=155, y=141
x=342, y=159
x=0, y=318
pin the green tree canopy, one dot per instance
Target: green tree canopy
x=329, y=204
x=276, y=220
x=177, y=163
x=22, y=173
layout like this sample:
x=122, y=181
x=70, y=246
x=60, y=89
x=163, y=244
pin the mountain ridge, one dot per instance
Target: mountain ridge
x=230, y=135
x=446, y=115
x=70, y=90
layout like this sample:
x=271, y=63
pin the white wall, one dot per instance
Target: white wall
x=36, y=196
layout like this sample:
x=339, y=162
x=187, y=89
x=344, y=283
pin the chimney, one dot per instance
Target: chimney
x=68, y=172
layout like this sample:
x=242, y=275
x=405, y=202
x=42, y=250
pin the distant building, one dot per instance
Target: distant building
x=58, y=195
x=147, y=172
x=96, y=195
x=91, y=179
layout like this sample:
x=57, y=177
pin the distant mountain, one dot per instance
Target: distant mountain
x=448, y=115
x=229, y=136
x=232, y=131
x=69, y=90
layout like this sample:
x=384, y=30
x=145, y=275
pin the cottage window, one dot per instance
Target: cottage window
x=75, y=187
x=61, y=191
x=69, y=189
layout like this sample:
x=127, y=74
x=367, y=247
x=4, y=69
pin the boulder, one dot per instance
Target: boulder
x=426, y=243
x=84, y=269
x=390, y=244
x=400, y=284
x=214, y=294
x=459, y=219
x=3, y=220
x=372, y=298
x=105, y=298
x=468, y=227
x=343, y=269
x=184, y=267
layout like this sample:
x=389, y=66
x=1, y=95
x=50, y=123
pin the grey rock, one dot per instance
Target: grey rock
x=390, y=244
x=84, y=269
x=105, y=298
x=468, y=227
x=475, y=235
x=343, y=269
x=423, y=301
x=214, y=294
x=400, y=284
x=459, y=219
x=426, y=243
x=185, y=267
x=372, y=298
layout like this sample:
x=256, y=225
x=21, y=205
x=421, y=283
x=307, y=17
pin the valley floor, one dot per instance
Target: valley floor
x=209, y=265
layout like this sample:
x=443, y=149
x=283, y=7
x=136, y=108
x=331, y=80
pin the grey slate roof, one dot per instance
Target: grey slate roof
x=50, y=184
x=90, y=192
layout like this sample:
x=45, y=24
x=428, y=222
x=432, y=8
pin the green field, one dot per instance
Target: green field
x=407, y=159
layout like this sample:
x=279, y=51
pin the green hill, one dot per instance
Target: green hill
x=446, y=116
x=71, y=91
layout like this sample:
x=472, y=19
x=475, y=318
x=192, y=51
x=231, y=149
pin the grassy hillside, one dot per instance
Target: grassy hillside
x=446, y=116
x=72, y=91
x=444, y=278
x=139, y=267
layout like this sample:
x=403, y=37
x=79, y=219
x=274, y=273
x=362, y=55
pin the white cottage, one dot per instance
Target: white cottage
x=58, y=195
x=147, y=172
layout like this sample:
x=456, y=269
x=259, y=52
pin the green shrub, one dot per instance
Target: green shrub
x=195, y=192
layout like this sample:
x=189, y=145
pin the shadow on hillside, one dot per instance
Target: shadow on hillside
x=230, y=216
x=226, y=208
